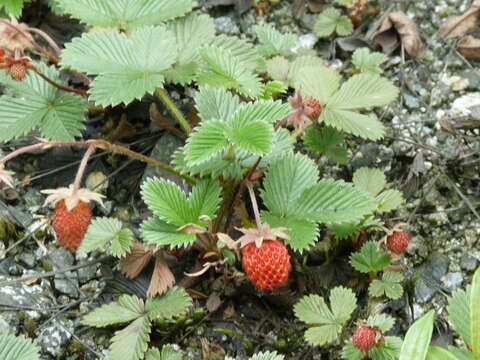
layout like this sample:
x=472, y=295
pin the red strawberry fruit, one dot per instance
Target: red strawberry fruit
x=315, y=105
x=267, y=266
x=365, y=337
x=398, y=242
x=70, y=226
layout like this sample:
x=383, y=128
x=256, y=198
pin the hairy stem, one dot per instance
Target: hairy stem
x=47, y=38
x=253, y=199
x=57, y=85
x=163, y=95
x=104, y=145
x=82, y=167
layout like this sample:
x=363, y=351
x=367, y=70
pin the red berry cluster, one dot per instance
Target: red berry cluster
x=16, y=65
x=315, y=105
x=267, y=266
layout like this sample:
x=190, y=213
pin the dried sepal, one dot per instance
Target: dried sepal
x=301, y=113
x=70, y=197
x=258, y=235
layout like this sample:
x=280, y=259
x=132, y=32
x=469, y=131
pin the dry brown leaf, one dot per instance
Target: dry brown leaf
x=316, y=6
x=469, y=47
x=162, y=277
x=192, y=229
x=396, y=27
x=459, y=25
x=213, y=302
x=135, y=261
x=158, y=119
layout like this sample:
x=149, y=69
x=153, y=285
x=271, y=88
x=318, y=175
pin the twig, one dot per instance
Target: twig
x=82, y=167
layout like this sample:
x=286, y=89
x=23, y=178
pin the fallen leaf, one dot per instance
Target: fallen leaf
x=213, y=302
x=162, y=277
x=135, y=261
x=398, y=27
x=459, y=25
x=469, y=47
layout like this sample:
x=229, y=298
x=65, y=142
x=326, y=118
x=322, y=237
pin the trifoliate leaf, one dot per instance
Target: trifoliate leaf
x=169, y=352
x=417, y=339
x=126, y=309
x=302, y=233
x=125, y=13
x=191, y=33
x=168, y=305
x=167, y=201
x=389, y=200
x=331, y=20
x=204, y=199
x=312, y=309
x=389, y=286
x=132, y=341
x=104, y=230
x=363, y=91
x=267, y=356
x=285, y=181
x=459, y=313
x=273, y=42
x=17, y=348
x=365, y=126
x=127, y=67
x=367, y=61
x=226, y=70
x=216, y=103
x=207, y=140
x=370, y=180
x=39, y=104
x=328, y=142
x=302, y=62
x=242, y=50
x=318, y=82
x=370, y=258
x=333, y=202
x=383, y=321
x=158, y=232
x=253, y=136
x=13, y=7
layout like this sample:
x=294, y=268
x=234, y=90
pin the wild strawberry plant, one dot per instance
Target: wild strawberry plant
x=267, y=115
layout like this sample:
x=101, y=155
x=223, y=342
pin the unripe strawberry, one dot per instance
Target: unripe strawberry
x=267, y=266
x=398, y=242
x=365, y=338
x=70, y=226
x=18, y=71
x=315, y=105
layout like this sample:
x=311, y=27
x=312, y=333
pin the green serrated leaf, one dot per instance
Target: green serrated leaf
x=318, y=82
x=216, y=103
x=17, y=348
x=127, y=67
x=417, y=339
x=278, y=68
x=124, y=13
x=387, y=350
x=438, y=353
x=167, y=201
x=331, y=20
x=350, y=352
x=207, y=140
x=273, y=42
x=363, y=91
x=205, y=198
x=312, y=309
x=13, y=7
x=39, y=104
x=461, y=353
x=370, y=258
x=365, y=126
x=306, y=62
x=285, y=181
x=383, y=321
x=126, y=309
x=169, y=352
x=268, y=111
x=458, y=309
x=132, y=341
x=475, y=313
x=273, y=88
x=252, y=136
x=303, y=233
x=370, y=180
x=226, y=70
x=168, y=305
x=267, y=356
x=242, y=50
x=328, y=142
x=104, y=230
x=367, y=61
x=389, y=200
x=158, y=232
x=333, y=202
